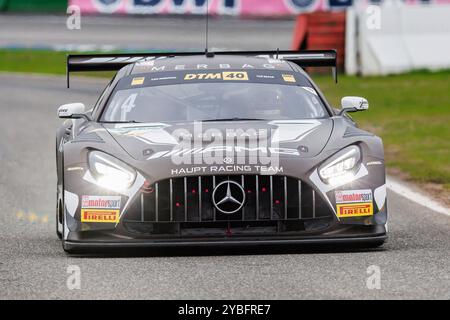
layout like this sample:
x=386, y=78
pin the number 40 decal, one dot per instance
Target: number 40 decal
x=234, y=75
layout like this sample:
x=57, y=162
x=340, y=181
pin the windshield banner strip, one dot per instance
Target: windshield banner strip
x=197, y=76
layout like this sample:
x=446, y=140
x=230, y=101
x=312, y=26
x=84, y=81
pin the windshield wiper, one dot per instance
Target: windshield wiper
x=233, y=119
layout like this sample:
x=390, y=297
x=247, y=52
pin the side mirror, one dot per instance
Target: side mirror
x=353, y=104
x=72, y=111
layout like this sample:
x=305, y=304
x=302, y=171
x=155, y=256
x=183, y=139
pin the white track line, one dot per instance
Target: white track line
x=414, y=196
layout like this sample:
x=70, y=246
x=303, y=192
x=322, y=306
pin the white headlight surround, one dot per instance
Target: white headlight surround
x=110, y=172
x=342, y=166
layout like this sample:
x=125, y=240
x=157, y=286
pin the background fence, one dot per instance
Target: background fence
x=408, y=34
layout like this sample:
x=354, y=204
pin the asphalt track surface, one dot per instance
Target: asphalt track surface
x=414, y=263
x=144, y=33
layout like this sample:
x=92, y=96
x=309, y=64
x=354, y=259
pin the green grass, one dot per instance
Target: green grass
x=38, y=61
x=35, y=61
x=411, y=112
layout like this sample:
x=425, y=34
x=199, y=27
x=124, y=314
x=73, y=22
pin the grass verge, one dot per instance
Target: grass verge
x=38, y=61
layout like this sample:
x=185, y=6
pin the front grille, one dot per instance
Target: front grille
x=186, y=203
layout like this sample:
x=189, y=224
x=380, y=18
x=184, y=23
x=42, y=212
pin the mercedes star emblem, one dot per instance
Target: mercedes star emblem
x=228, y=160
x=228, y=197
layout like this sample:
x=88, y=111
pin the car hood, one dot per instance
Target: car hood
x=288, y=138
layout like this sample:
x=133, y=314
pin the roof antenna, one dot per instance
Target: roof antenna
x=208, y=54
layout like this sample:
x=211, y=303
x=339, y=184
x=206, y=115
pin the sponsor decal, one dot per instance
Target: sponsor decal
x=105, y=6
x=238, y=150
x=100, y=202
x=268, y=170
x=354, y=203
x=226, y=7
x=203, y=76
x=246, y=158
x=288, y=77
x=352, y=196
x=264, y=76
x=137, y=81
x=163, y=78
x=354, y=210
x=147, y=66
x=100, y=215
x=169, y=75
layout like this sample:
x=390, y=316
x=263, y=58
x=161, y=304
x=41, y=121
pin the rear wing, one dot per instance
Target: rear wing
x=114, y=62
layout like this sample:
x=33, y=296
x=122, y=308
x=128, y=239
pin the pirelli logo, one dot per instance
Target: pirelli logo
x=354, y=210
x=99, y=215
x=226, y=75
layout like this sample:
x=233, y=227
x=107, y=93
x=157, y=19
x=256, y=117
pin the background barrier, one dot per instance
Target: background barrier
x=33, y=5
x=412, y=34
x=3, y=4
x=262, y=8
x=219, y=7
x=408, y=38
x=321, y=31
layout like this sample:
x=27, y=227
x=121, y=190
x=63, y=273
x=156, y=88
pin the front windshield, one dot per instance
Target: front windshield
x=214, y=101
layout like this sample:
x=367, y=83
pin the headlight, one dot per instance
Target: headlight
x=110, y=172
x=341, y=167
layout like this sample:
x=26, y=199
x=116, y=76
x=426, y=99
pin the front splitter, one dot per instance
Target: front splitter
x=74, y=246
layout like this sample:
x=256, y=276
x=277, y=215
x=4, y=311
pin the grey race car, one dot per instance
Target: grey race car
x=231, y=148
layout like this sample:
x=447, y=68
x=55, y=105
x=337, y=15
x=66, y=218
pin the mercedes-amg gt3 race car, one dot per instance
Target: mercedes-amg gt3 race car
x=230, y=148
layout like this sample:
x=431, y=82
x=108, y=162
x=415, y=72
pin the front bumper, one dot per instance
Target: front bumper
x=340, y=235
x=157, y=220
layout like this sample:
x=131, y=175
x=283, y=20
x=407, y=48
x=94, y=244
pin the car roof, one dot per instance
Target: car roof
x=205, y=63
x=210, y=62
